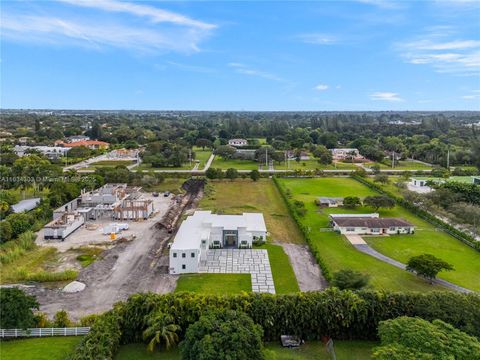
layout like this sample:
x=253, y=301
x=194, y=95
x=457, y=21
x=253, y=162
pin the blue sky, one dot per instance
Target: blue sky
x=337, y=55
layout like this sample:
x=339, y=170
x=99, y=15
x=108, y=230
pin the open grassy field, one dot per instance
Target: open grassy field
x=312, y=350
x=53, y=348
x=236, y=197
x=220, y=163
x=202, y=156
x=111, y=163
x=217, y=284
x=174, y=185
x=337, y=252
x=145, y=166
x=401, y=165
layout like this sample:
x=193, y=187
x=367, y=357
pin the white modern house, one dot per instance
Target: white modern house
x=52, y=152
x=369, y=224
x=237, y=142
x=203, y=231
x=346, y=153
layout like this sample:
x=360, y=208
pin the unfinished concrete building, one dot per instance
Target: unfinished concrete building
x=63, y=226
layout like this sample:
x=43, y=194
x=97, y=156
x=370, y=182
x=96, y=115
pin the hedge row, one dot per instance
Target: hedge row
x=425, y=215
x=325, y=270
x=335, y=313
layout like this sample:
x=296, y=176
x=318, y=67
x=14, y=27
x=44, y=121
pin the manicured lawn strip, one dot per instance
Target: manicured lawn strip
x=111, y=163
x=50, y=348
x=315, y=350
x=312, y=350
x=220, y=163
x=145, y=166
x=335, y=250
x=236, y=197
x=217, y=284
x=139, y=352
x=202, y=156
x=283, y=276
x=402, y=165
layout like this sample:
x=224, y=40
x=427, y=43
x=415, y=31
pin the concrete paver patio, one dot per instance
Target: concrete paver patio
x=242, y=261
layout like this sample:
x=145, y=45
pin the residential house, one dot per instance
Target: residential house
x=51, y=152
x=330, y=201
x=368, y=225
x=203, y=231
x=237, y=142
x=75, y=138
x=91, y=144
x=346, y=154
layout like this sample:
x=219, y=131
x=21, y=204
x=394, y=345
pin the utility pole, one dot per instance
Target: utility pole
x=448, y=158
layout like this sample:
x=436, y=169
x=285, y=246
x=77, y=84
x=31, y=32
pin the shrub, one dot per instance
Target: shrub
x=414, y=338
x=223, y=335
x=349, y=279
x=16, y=309
x=61, y=319
x=351, y=202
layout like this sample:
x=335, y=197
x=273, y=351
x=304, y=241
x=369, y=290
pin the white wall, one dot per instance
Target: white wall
x=191, y=263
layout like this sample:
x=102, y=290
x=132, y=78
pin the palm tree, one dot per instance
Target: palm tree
x=161, y=329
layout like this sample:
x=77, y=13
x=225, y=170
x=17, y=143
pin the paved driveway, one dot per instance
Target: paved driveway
x=242, y=261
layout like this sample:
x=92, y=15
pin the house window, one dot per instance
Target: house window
x=184, y=255
x=192, y=255
x=184, y=266
x=392, y=228
x=174, y=255
x=375, y=230
x=350, y=229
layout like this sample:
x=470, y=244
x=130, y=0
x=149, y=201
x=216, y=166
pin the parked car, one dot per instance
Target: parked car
x=166, y=194
x=155, y=194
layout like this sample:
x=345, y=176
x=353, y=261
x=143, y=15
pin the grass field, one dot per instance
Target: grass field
x=236, y=197
x=313, y=350
x=202, y=156
x=54, y=348
x=111, y=163
x=336, y=251
x=282, y=272
x=174, y=185
x=218, y=284
x=220, y=163
x=401, y=165
x=146, y=166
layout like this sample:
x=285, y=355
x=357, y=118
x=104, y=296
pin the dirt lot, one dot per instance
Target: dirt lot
x=306, y=269
x=129, y=267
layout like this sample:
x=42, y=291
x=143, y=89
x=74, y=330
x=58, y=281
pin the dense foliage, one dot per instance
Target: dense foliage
x=223, y=335
x=427, y=266
x=406, y=338
x=339, y=314
x=349, y=279
x=16, y=309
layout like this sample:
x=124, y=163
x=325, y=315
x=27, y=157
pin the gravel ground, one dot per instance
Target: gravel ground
x=306, y=269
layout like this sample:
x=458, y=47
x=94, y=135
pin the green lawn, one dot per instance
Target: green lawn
x=336, y=251
x=236, y=197
x=312, y=350
x=282, y=271
x=146, y=166
x=111, y=163
x=220, y=163
x=401, y=165
x=217, y=284
x=52, y=348
x=202, y=156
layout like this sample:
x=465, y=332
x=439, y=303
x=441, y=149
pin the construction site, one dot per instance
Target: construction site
x=134, y=260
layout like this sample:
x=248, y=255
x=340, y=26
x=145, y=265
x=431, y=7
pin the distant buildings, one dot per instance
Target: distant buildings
x=91, y=144
x=75, y=138
x=51, y=152
x=204, y=230
x=346, y=153
x=26, y=205
x=237, y=142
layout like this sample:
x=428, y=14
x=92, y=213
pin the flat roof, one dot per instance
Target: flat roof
x=195, y=228
x=25, y=205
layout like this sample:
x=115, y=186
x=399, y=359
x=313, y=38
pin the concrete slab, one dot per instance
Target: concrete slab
x=355, y=239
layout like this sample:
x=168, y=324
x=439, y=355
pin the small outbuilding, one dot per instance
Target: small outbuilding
x=330, y=201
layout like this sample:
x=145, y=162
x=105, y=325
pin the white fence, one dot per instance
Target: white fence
x=43, y=332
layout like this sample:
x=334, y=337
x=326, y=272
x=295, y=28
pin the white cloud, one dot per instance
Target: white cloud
x=385, y=4
x=321, y=87
x=166, y=32
x=317, y=39
x=385, y=96
x=246, y=70
x=437, y=48
x=475, y=94
x=155, y=14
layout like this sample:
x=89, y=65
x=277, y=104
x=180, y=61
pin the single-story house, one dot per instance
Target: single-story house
x=370, y=225
x=91, y=144
x=51, y=152
x=330, y=201
x=75, y=138
x=203, y=231
x=237, y=142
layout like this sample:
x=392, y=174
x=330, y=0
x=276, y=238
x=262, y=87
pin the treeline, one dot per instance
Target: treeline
x=311, y=316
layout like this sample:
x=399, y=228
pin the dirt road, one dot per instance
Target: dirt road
x=309, y=275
